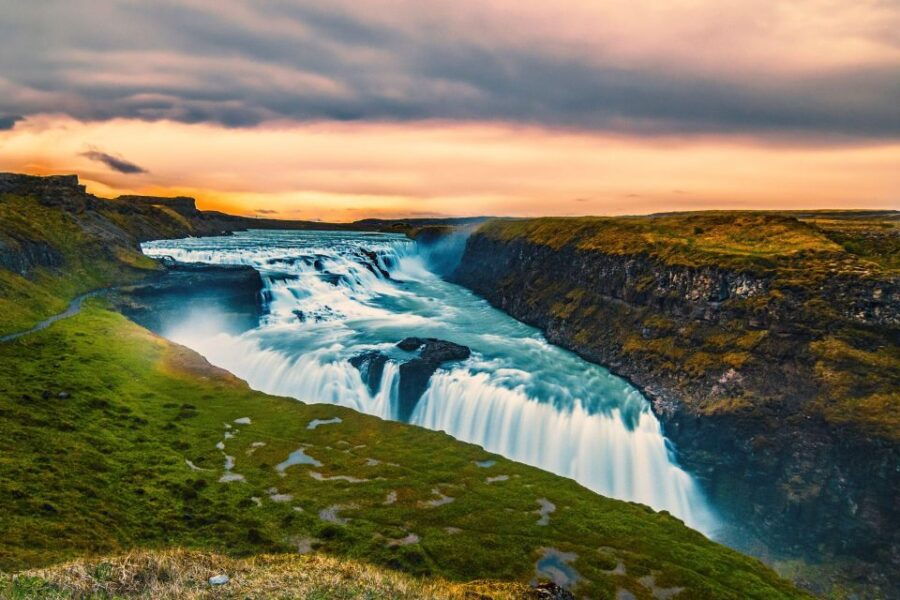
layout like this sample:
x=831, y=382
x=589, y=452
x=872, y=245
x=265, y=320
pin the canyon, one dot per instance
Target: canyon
x=773, y=371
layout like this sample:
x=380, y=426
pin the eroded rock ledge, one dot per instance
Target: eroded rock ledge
x=229, y=292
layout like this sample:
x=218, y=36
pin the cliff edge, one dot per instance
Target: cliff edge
x=766, y=342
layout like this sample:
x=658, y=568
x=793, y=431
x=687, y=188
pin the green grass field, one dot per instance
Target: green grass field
x=115, y=439
x=808, y=244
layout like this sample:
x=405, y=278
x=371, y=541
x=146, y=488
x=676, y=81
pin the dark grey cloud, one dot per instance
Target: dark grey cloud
x=114, y=162
x=9, y=121
x=240, y=64
x=265, y=211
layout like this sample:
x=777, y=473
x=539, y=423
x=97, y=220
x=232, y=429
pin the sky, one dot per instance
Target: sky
x=345, y=109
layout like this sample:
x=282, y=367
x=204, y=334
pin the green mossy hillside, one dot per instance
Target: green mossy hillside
x=806, y=244
x=53, y=254
x=115, y=439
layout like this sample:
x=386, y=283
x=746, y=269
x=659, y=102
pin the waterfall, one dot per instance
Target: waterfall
x=595, y=449
x=331, y=297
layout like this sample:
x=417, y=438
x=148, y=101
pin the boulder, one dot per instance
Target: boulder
x=550, y=591
x=435, y=350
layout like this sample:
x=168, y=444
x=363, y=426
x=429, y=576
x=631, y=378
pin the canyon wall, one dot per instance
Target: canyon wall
x=774, y=378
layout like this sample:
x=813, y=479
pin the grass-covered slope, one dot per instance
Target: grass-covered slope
x=50, y=253
x=817, y=243
x=115, y=439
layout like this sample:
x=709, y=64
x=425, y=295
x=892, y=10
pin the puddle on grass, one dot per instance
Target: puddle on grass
x=305, y=545
x=316, y=422
x=496, y=479
x=439, y=501
x=331, y=515
x=554, y=565
x=297, y=457
x=228, y=475
x=547, y=508
x=659, y=593
x=194, y=467
x=485, y=464
x=243, y=421
x=275, y=496
x=319, y=477
x=254, y=447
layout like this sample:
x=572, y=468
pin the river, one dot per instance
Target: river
x=331, y=296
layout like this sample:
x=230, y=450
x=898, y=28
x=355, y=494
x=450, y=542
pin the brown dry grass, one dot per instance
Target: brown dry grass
x=184, y=574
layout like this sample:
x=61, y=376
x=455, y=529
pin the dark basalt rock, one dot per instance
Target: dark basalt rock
x=435, y=350
x=787, y=480
x=371, y=367
x=550, y=591
x=24, y=256
x=233, y=291
x=370, y=261
x=416, y=373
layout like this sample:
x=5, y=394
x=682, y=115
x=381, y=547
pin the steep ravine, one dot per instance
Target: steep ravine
x=741, y=368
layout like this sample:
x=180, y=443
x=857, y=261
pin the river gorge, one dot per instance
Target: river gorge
x=335, y=306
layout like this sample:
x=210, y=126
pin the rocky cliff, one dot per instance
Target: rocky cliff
x=57, y=241
x=767, y=344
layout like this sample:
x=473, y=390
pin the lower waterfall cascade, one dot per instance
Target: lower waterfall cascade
x=331, y=296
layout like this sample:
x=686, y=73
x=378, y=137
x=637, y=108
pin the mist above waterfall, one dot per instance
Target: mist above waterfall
x=330, y=297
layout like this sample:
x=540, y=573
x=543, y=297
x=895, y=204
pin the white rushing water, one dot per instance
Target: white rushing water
x=331, y=296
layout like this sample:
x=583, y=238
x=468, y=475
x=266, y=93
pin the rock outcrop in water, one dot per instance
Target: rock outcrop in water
x=371, y=368
x=415, y=373
x=774, y=374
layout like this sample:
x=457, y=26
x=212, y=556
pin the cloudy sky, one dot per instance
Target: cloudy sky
x=339, y=109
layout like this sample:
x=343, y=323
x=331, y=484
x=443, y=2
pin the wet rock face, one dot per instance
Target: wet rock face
x=371, y=368
x=742, y=415
x=24, y=256
x=414, y=373
x=231, y=291
x=435, y=350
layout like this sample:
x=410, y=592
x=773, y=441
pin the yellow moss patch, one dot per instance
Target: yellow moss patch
x=726, y=405
x=835, y=350
x=877, y=412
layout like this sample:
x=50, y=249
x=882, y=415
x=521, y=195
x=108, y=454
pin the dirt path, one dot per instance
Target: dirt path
x=73, y=309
